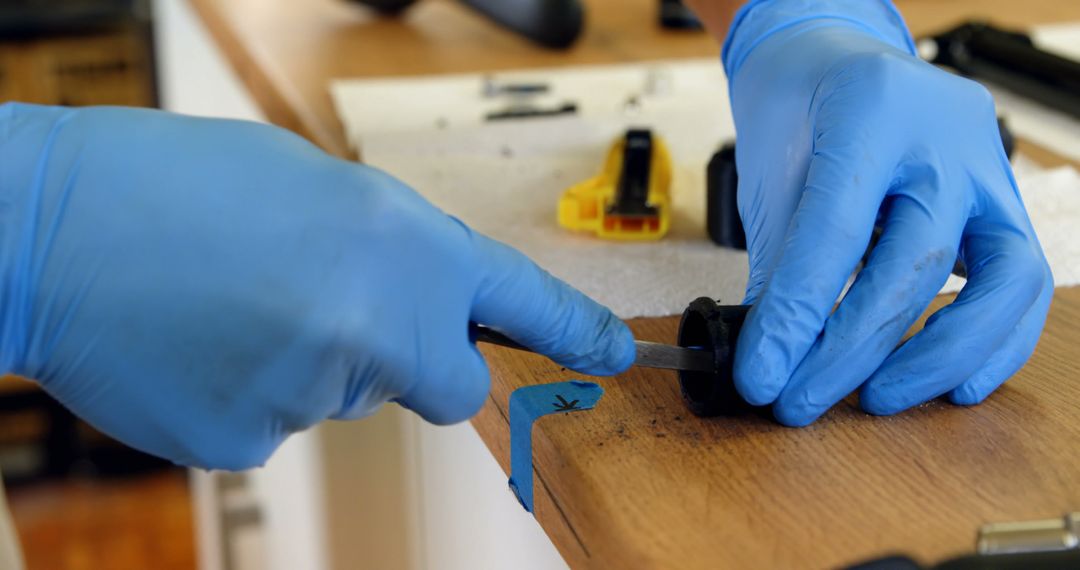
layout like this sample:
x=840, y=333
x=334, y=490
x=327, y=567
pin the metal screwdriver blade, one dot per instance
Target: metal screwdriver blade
x=657, y=355
x=649, y=354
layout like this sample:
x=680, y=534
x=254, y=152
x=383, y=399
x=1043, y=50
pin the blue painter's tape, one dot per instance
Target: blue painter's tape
x=526, y=405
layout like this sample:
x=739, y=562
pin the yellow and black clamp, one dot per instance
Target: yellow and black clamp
x=630, y=199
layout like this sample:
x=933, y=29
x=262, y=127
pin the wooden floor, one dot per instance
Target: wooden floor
x=123, y=524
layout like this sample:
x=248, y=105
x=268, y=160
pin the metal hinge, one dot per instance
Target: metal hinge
x=1030, y=536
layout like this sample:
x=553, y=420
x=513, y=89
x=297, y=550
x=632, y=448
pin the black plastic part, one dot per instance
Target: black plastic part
x=1054, y=560
x=528, y=112
x=632, y=193
x=894, y=562
x=550, y=23
x=722, y=203
x=705, y=323
x=388, y=7
x=1010, y=59
x=674, y=15
x=27, y=19
x=722, y=200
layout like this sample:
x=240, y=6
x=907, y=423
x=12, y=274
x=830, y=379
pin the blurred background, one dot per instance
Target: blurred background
x=78, y=498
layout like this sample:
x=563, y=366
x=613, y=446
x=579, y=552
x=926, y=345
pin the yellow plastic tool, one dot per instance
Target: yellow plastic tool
x=630, y=199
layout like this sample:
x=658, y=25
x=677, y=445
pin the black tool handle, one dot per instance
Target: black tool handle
x=480, y=333
x=1012, y=60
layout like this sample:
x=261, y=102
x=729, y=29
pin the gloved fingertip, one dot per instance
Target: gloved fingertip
x=792, y=416
x=967, y=394
x=756, y=392
x=621, y=352
x=756, y=379
x=604, y=349
x=795, y=408
x=879, y=402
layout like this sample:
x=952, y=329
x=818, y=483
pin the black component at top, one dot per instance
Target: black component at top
x=530, y=112
x=721, y=200
x=983, y=52
x=632, y=193
x=550, y=23
x=706, y=324
x=22, y=19
x=894, y=562
x=388, y=7
x=722, y=190
x=676, y=16
x=1045, y=560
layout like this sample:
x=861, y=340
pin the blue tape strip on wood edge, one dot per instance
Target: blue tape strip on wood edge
x=526, y=405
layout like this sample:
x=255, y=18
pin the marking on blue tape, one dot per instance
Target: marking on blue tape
x=526, y=405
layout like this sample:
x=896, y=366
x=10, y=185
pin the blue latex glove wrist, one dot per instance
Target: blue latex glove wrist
x=840, y=127
x=759, y=19
x=200, y=289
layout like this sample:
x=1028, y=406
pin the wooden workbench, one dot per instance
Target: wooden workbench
x=638, y=482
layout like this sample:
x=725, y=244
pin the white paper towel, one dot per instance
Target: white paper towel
x=505, y=179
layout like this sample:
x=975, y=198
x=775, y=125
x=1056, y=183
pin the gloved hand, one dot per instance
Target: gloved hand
x=200, y=289
x=840, y=127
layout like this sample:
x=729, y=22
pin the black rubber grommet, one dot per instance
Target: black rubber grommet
x=707, y=324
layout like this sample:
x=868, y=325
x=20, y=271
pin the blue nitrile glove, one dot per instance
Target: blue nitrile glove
x=200, y=289
x=840, y=125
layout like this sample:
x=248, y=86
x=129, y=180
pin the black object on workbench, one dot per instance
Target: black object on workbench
x=25, y=19
x=1049, y=560
x=721, y=200
x=550, y=23
x=984, y=52
x=721, y=195
x=674, y=15
x=632, y=194
x=531, y=112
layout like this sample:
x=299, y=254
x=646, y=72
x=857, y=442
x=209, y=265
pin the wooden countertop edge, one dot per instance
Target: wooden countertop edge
x=282, y=106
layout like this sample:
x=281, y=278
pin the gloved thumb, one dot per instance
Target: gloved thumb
x=453, y=389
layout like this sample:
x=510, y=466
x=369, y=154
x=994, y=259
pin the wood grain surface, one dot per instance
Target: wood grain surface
x=638, y=482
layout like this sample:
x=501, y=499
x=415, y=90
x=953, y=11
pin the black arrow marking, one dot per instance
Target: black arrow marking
x=563, y=406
